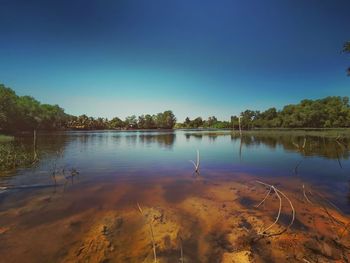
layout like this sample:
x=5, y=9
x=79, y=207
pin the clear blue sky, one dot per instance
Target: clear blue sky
x=197, y=58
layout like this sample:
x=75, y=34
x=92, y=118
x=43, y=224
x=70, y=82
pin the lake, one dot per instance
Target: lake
x=133, y=196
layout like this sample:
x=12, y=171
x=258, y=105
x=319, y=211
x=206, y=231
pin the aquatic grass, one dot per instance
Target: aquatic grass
x=6, y=138
x=13, y=156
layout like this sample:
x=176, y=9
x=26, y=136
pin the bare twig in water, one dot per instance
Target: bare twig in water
x=296, y=168
x=266, y=196
x=35, y=155
x=181, y=252
x=322, y=201
x=278, y=214
x=298, y=146
x=240, y=149
x=329, y=202
x=239, y=125
x=338, y=137
x=151, y=232
x=339, y=143
x=304, y=193
x=346, y=227
x=336, y=151
x=279, y=195
x=140, y=209
x=304, y=144
x=332, y=218
x=196, y=165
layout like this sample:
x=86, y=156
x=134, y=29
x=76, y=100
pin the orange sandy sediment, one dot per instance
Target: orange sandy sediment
x=209, y=221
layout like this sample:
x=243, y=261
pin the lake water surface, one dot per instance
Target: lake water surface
x=83, y=182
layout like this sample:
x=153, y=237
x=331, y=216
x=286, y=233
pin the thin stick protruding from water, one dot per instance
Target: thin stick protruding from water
x=151, y=232
x=196, y=165
x=239, y=125
x=278, y=193
x=181, y=252
x=307, y=199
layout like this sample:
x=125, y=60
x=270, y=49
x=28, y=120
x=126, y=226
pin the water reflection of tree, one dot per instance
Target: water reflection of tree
x=212, y=137
x=197, y=136
x=131, y=139
x=307, y=146
x=164, y=140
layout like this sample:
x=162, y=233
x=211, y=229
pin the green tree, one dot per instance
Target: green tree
x=197, y=122
x=212, y=121
x=8, y=108
x=187, y=122
x=131, y=122
x=116, y=123
x=149, y=122
x=165, y=120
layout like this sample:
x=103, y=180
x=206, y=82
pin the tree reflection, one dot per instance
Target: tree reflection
x=163, y=139
x=306, y=145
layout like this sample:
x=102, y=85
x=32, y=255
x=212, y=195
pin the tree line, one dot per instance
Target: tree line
x=329, y=112
x=162, y=120
x=212, y=122
x=24, y=113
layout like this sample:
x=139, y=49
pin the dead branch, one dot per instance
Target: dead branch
x=181, y=252
x=307, y=199
x=278, y=214
x=278, y=193
x=304, y=144
x=151, y=232
x=196, y=165
x=268, y=193
x=296, y=168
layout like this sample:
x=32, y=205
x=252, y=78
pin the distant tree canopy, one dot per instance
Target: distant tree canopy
x=198, y=122
x=24, y=113
x=346, y=49
x=329, y=112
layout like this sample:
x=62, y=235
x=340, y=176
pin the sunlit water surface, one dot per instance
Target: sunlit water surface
x=131, y=155
x=73, y=163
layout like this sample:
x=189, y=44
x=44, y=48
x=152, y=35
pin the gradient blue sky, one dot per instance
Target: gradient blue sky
x=197, y=58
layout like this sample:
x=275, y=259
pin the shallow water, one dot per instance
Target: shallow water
x=84, y=181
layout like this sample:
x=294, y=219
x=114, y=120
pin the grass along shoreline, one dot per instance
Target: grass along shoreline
x=322, y=132
x=6, y=138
